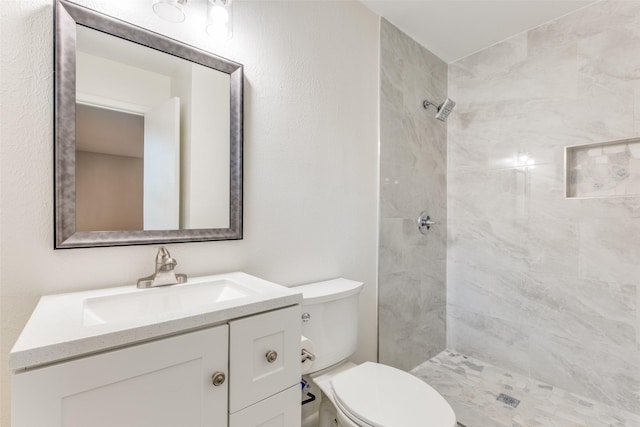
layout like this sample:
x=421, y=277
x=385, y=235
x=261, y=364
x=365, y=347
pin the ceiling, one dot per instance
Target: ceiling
x=453, y=29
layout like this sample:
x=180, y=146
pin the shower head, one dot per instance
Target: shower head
x=444, y=109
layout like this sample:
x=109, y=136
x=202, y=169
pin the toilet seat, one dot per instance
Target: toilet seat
x=376, y=395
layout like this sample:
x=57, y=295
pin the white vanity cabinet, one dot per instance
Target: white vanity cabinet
x=264, y=353
x=161, y=383
x=243, y=373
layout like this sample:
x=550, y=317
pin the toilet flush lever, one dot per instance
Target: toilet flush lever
x=307, y=355
x=424, y=222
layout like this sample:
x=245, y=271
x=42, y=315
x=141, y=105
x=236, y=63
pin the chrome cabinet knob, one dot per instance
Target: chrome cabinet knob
x=218, y=378
x=271, y=356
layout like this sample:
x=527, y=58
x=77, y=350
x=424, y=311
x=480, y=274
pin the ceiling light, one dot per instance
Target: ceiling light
x=170, y=10
x=219, y=19
x=219, y=15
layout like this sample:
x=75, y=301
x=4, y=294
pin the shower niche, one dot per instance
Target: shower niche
x=605, y=169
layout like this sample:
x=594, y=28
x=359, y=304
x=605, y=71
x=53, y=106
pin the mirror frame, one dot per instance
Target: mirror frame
x=67, y=15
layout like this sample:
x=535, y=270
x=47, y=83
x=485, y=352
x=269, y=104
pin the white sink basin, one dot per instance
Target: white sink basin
x=161, y=303
x=65, y=326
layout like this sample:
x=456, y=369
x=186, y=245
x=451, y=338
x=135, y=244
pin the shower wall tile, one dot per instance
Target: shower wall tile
x=499, y=342
x=610, y=253
x=541, y=284
x=561, y=359
x=413, y=178
x=637, y=309
x=605, y=58
x=637, y=111
x=391, y=245
x=582, y=24
x=413, y=306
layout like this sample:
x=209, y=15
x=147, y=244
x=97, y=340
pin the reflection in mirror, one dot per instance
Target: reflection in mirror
x=149, y=128
x=148, y=136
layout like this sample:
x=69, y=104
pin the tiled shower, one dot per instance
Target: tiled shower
x=412, y=267
x=539, y=281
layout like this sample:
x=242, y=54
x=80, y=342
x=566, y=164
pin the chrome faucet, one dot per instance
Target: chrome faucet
x=165, y=274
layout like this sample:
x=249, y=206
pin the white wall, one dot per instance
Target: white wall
x=206, y=196
x=311, y=148
x=113, y=83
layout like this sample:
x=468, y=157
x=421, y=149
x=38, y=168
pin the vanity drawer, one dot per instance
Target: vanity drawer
x=264, y=356
x=282, y=410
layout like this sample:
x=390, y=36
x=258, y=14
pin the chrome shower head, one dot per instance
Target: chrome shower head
x=444, y=109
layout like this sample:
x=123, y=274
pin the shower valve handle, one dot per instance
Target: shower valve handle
x=424, y=223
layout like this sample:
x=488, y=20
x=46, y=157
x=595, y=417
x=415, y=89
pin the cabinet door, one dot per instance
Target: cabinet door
x=281, y=410
x=264, y=356
x=161, y=383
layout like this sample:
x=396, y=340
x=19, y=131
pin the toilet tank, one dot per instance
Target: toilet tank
x=330, y=319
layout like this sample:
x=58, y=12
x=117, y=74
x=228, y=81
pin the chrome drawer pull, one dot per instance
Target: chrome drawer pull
x=218, y=378
x=271, y=356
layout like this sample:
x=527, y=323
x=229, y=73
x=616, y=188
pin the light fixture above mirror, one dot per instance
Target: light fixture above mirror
x=219, y=15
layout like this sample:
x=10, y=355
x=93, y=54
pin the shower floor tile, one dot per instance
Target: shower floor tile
x=472, y=388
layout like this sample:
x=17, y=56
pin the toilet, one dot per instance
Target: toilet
x=366, y=395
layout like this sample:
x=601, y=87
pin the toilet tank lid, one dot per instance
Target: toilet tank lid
x=329, y=290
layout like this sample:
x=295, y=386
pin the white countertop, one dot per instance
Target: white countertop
x=57, y=331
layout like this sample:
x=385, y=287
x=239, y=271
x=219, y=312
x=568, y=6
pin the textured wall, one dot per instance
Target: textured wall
x=311, y=149
x=538, y=283
x=412, y=267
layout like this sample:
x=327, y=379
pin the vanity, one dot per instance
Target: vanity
x=220, y=350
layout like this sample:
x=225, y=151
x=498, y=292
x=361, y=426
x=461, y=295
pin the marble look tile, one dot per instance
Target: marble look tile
x=605, y=250
x=496, y=194
x=407, y=328
x=420, y=250
x=605, y=58
x=638, y=317
x=602, y=16
x=577, y=308
x=406, y=193
x=471, y=386
x=614, y=170
x=399, y=147
x=390, y=245
x=547, y=77
x=472, y=287
x=495, y=340
x=416, y=291
x=402, y=247
x=537, y=281
x=612, y=209
x=401, y=57
x=412, y=267
x=499, y=59
x=552, y=246
x=637, y=112
x=492, y=134
x=562, y=359
x=401, y=289
x=490, y=244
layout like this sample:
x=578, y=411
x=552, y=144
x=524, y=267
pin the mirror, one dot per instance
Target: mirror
x=148, y=139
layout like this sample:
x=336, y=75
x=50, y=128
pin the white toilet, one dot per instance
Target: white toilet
x=371, y=394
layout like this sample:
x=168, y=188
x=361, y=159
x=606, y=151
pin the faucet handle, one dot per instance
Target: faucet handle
x=163, y=255
x=164, y=262
x=164, y=274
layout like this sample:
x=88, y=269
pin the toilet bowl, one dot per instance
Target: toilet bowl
x=366, y=395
